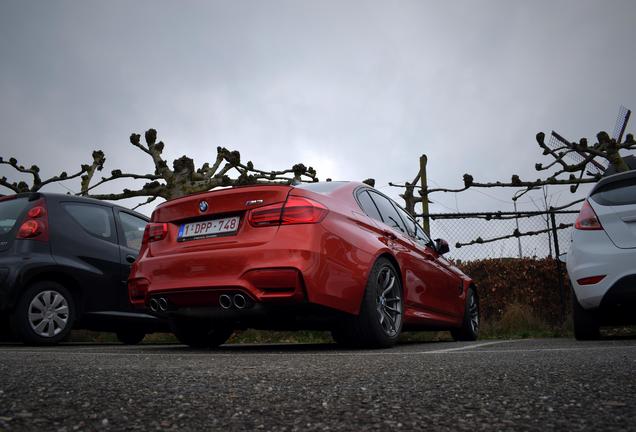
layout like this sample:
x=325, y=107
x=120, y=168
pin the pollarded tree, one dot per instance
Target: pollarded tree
x=165, y=182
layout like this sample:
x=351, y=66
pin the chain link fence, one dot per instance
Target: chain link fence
x=475, y=236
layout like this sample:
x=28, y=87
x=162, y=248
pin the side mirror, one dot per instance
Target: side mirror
x=563, y=257
x=441, y=246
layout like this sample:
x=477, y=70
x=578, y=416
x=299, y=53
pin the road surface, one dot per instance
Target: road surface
x=485, y=385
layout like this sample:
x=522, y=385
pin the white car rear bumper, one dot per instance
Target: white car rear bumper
x=592, y=253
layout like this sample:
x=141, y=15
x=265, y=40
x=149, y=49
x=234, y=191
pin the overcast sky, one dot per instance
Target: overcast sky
x=354, y=89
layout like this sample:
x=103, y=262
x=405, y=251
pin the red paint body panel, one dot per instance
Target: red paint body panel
x=325, y=263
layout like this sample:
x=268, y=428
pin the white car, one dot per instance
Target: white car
x=601, y=262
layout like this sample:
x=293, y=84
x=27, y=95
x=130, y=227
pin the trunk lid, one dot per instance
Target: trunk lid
x=227, y=208
x=615, y=207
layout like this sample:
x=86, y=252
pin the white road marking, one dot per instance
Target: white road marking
x=176, y=351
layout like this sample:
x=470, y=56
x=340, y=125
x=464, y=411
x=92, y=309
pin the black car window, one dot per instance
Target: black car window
x=367, y=206
x=95, y=219
x=10, y=211
x=618, y=193
x=133, y=230
x=388, y=212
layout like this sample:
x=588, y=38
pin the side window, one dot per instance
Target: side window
x=368, y=206
x=410, y=223
x=421, y=237
x=388, y=212
x=133, y=230
x=95, y=219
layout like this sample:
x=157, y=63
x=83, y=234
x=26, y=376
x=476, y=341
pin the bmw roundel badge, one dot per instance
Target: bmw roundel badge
x=203, y=206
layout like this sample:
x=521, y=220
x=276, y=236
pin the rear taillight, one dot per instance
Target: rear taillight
x=587, y=219
x=296, y=210
x=36, y=225
x=155, y=232
x=30, y=228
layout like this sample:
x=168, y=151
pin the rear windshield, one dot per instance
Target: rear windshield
x=321, y=187
x=618, y=193
x=10, y=211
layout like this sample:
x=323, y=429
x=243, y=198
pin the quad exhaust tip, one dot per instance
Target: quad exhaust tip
x=240, y=301
x=225, y=301
x=163, y=304
x=154, y=305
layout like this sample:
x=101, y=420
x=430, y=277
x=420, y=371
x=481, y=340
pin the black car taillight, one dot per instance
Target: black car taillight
x=36, y=225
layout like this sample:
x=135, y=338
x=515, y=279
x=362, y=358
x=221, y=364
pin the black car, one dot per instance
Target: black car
x=64, y=263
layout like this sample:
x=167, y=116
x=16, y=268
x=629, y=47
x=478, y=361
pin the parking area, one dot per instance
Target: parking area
x=513, y=384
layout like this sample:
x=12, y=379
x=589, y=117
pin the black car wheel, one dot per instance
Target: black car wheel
x=380, y=320
x=586, y=326
x=200, y=334
x=130, y=337
x=469, y=330
x=44, y=315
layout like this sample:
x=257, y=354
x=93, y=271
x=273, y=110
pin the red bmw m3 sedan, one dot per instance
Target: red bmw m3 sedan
x=336, y=256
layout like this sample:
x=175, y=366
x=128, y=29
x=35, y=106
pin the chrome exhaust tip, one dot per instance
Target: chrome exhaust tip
x=163, y=304
x=154, y=305
x=225, y=301
x=240, y=301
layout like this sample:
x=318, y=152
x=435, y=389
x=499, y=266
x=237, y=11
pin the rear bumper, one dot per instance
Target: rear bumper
x=301, y=264
x=593, y=254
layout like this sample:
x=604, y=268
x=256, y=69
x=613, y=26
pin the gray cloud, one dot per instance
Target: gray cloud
x=356, y=89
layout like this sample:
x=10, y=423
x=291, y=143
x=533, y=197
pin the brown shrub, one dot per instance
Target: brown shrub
x=526, y=281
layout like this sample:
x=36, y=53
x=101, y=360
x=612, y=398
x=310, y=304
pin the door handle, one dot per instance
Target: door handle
x=130, y=259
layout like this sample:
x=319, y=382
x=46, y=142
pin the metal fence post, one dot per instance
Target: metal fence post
x=555, y=236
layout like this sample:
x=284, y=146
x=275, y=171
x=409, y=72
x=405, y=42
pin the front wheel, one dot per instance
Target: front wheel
x=200, y=334
x=380, y=320
x=469, y=330
x=44, y=314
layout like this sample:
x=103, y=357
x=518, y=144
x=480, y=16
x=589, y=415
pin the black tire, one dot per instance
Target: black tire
x=469, y=330
x=130, y=337
x=586, y=326
x=380, y=320
x=44, y=315
x=200, y=334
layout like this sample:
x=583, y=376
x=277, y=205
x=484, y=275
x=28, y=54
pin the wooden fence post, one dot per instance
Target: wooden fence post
x=425, y=221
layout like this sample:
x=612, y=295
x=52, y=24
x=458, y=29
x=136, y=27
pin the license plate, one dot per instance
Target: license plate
x=208, y=228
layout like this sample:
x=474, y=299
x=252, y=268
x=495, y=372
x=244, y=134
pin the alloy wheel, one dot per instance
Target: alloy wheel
x=473, y=311
x=388, y=301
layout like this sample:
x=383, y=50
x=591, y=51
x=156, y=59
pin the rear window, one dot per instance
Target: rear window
x=10, y=211
x=615, y=194
x=321, y=187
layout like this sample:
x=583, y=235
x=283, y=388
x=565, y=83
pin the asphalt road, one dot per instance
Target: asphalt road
x=494, y=385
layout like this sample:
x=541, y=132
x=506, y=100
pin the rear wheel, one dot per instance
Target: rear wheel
x=130, y=337
x=586, y=326
x=200, y=334
x=469, y=331
x=44, y=314
x=380, y=320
